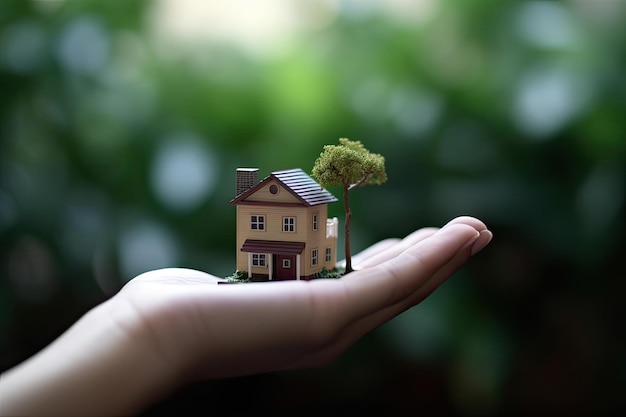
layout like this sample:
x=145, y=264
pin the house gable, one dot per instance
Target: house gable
x=270, y=191
x=291, y=186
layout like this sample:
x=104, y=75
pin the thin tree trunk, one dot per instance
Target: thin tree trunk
x=346, y=206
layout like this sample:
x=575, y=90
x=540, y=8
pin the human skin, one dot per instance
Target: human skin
x=169, y=327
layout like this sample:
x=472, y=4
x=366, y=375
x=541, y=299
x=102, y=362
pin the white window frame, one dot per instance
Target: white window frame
x=314, y=257
x=315, y=221
x=259, y=260
x=329, y=254
x=286, y=263
x=257, y=222
x=289, y=224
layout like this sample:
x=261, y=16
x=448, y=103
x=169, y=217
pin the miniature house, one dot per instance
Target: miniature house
x=283, y=230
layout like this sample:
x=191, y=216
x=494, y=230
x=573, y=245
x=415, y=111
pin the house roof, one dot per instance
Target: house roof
x=272, y=246
x=301, y=185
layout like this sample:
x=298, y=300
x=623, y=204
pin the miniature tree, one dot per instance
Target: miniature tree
x=350, y=165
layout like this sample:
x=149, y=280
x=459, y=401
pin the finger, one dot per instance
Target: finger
x=374, y=258
x=334, y=333
x=361, y=326
x=468, y=220
x=395, y=250
x=176, y=276
x=372, y=250
x=387, y=283
x=449, y=268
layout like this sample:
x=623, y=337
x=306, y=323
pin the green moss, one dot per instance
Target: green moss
x=238, y=277
x=329, y=274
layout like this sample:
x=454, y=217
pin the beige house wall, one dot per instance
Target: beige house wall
x=274, y=214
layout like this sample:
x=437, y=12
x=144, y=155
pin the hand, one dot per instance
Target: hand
x=169, y=326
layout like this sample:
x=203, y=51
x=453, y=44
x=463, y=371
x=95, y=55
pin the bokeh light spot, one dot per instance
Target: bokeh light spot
x=547, y=99
x=414, y=112
x=145, y=246
x=84, y=46
x=258, y=28
x=546, y=24
x=183, y=173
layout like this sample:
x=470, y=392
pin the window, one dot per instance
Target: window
x=289, y=224
x=286, y=263
x=257, y=222
x=314, y=258
x=314, y=221
x=329, y=253
x=274, y=189
x=258, y=259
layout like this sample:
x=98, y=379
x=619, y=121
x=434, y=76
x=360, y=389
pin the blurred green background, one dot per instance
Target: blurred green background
x=122, y=124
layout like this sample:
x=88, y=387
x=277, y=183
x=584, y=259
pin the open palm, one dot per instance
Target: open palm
x=170, y=326
x=228, y=330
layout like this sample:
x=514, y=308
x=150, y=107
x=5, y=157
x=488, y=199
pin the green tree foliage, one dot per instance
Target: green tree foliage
x=350, y=165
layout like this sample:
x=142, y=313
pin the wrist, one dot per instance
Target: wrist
x=98, y=366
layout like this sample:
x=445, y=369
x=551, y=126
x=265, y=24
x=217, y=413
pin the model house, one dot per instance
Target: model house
x=283, y=230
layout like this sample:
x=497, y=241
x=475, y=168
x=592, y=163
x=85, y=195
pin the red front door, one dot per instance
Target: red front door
x=285, y=266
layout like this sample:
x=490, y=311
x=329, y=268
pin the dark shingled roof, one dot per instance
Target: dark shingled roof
x=305, y=188
x=272, y=246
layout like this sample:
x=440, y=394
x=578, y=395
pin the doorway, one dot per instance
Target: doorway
x=285, y=267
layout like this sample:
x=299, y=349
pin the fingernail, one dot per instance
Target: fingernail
x=483, y=240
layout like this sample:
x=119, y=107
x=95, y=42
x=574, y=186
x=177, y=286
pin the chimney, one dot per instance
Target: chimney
x=246, y=178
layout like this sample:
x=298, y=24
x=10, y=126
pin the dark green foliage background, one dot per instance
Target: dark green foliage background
x=512, y=112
